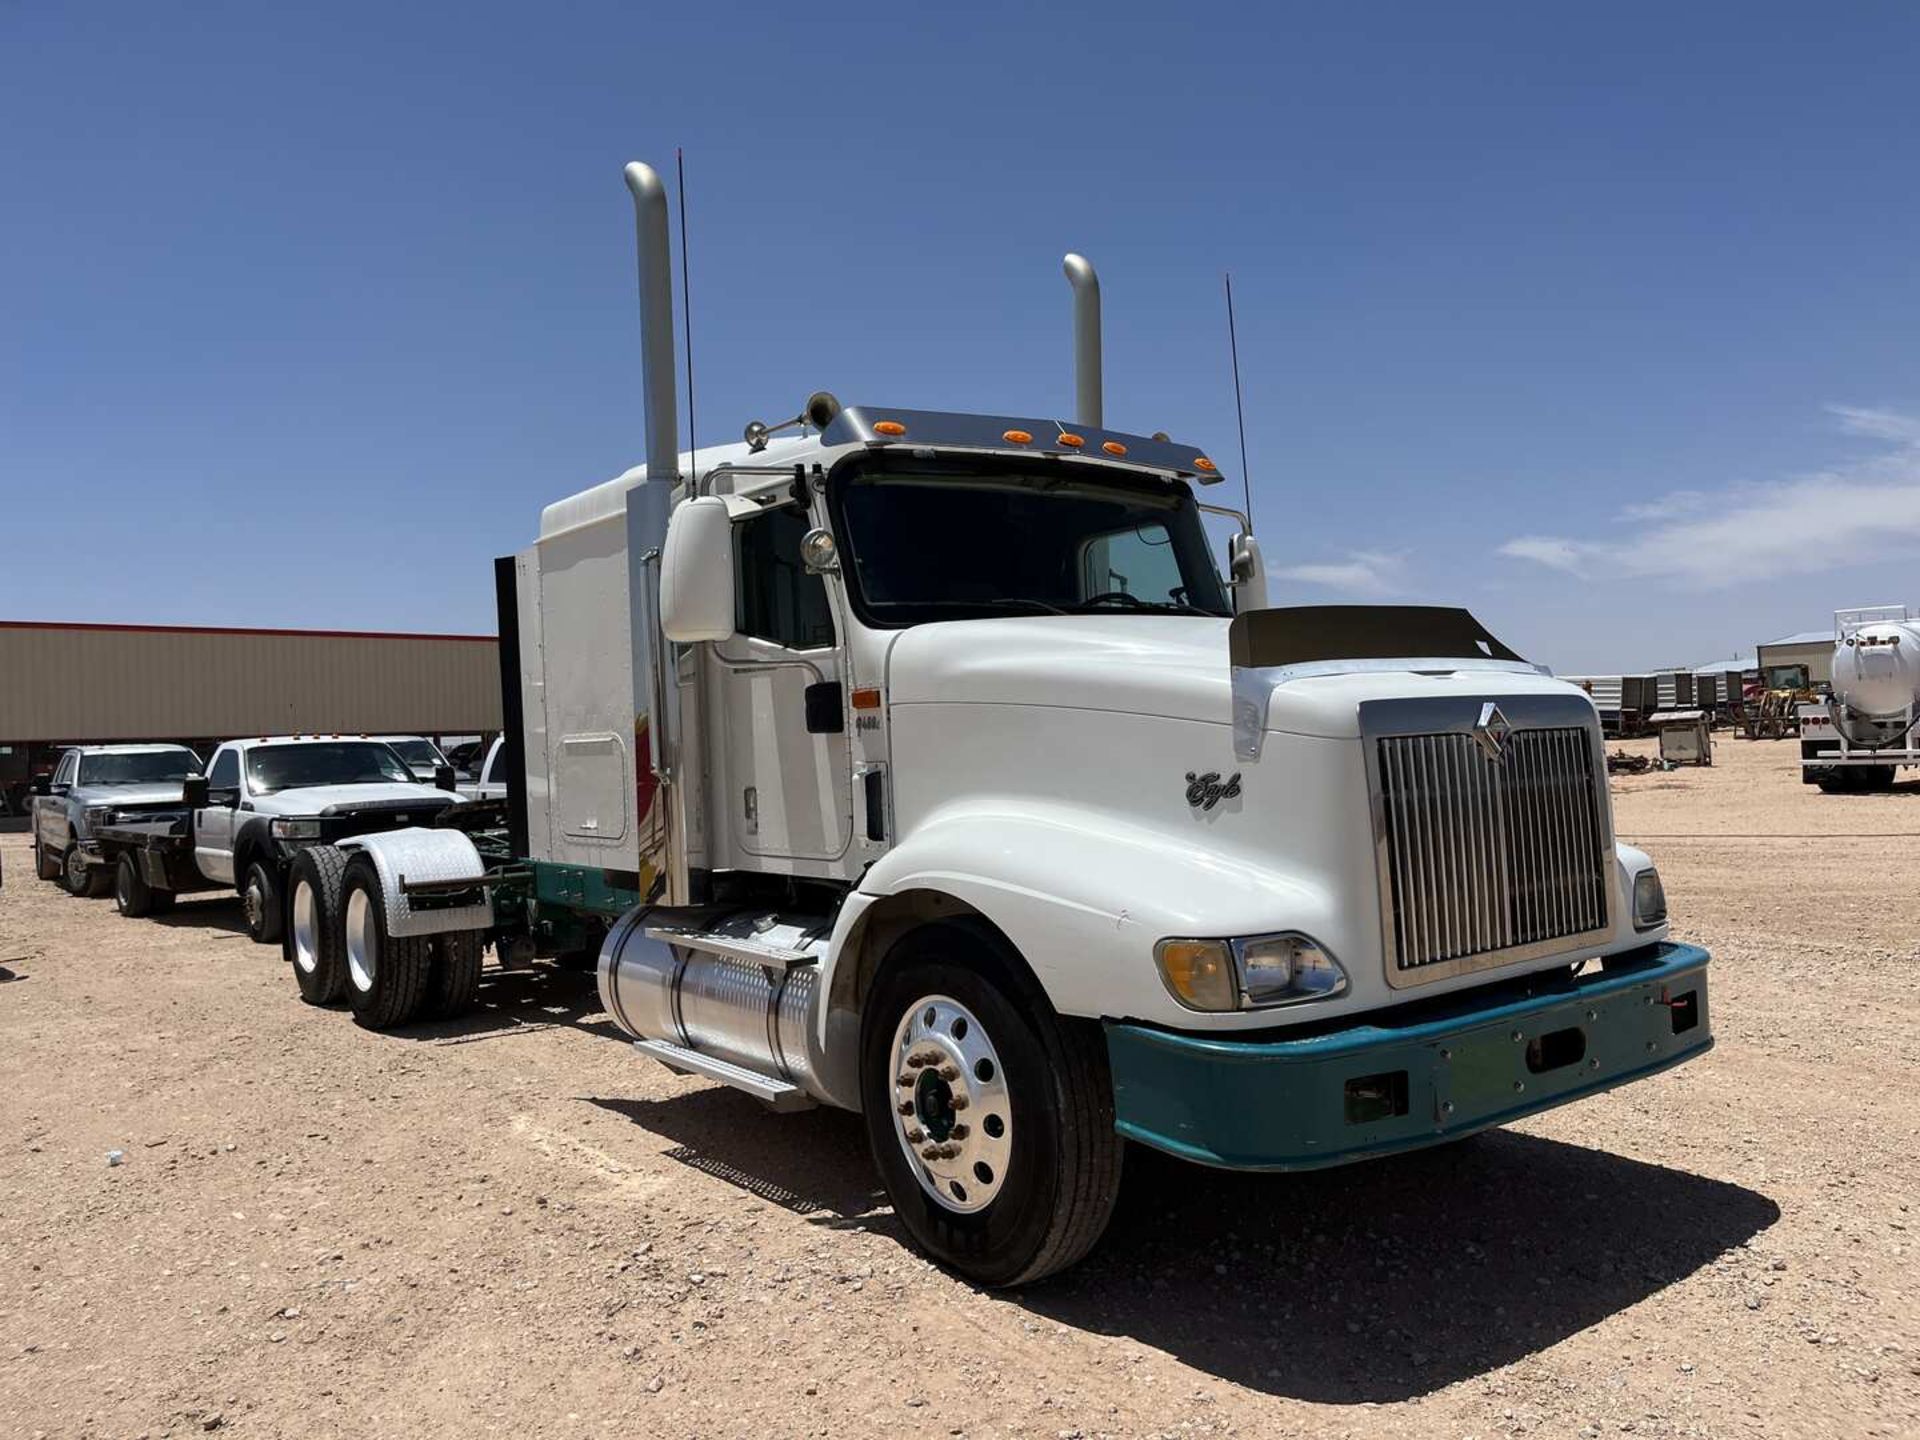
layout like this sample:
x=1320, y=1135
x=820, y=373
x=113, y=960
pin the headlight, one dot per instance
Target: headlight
x=1250, y=973
x=98, y=815
x=296, y=829
x=1649, y=900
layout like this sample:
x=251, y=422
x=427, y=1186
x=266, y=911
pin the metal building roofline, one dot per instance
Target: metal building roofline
x=71, y=625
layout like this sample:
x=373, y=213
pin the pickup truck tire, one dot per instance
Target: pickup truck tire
x=386, y=974
x=133, y=897
x=265, y=906
x=1023, y=1095
x=88, y=882
x=455, y=976
x=46, y=864
x=314, y=944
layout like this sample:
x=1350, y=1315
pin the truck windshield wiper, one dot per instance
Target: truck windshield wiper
x=1165, y=607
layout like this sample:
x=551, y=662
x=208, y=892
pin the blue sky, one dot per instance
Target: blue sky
x=1605, y=324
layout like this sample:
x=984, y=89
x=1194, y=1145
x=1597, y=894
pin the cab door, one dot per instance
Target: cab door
x=213, y=823
x=787, y=790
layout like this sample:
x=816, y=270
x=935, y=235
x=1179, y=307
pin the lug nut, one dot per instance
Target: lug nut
x=960, y=1132
x=949, y=1072
x=959, y=1102
x=916, y=1135
x=905, y=1082
x=932, y=1152
x=906, y=1107
x=915, y=1062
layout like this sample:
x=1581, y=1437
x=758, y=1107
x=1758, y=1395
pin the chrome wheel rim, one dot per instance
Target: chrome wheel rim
x=306, y=928
x=952, y=1111
x=76, y=871
x=362, y=956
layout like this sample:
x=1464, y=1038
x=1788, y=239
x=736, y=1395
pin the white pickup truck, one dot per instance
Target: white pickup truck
x=261, y=802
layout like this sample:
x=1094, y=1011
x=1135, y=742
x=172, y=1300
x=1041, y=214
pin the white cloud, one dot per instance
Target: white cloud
x=1852, y=514
x=1546, y=550
x=1877, y=424
x=1363, y=572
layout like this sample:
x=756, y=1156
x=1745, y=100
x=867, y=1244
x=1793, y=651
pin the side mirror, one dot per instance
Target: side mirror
x=1249, y=573
x=443, y=776
x=193, y=790
x=43, y=784
x=696, y=573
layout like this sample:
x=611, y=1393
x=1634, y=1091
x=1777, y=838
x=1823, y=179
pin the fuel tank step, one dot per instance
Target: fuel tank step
x=777, y=1095
x=775, y=946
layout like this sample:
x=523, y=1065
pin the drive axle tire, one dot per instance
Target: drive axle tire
x=46, y=864
x=264, y=904
x=314, y=944
x=455, y=976
x=386, y=974
x=989, y=1116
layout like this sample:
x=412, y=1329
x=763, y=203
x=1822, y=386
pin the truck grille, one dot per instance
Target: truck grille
x=1484, y=856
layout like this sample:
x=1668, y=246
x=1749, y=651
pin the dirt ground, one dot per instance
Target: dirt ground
x=512, y=1226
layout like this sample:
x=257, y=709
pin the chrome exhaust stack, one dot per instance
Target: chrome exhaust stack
x=1086, y=341
x=667, y=807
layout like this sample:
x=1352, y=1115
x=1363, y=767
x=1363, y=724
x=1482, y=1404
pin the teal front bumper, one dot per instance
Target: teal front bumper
x=1418, y=1075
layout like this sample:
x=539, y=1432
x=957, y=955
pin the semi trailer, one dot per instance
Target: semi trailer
x=925, y=764
x=1859, y=735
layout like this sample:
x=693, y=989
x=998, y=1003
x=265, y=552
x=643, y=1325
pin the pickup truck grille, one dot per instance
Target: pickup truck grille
x=1489, y=859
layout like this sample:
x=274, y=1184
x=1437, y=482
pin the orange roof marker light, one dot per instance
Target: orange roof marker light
x=888, y=427
x=1201, y=462
x=1017, y=437
x=1072, y=441
x=1114, y=447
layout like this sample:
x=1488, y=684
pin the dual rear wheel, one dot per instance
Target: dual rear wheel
x=338, y=942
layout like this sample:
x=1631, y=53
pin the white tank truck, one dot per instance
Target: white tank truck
x=1869, y=726
x=924, y=764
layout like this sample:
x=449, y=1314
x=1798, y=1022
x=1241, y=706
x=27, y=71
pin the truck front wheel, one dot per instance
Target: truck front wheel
x=264, y=905
x=989, y=1116
x=82, y=879
x=313, y=944
x=386, y=974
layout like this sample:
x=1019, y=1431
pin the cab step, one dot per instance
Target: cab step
x=768, y=940
x=777, y=1095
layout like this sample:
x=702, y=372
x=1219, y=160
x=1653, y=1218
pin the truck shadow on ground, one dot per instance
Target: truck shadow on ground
x=1370, y=1283
x=514, y=1002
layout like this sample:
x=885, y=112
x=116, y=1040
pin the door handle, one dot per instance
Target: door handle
x=751, y=801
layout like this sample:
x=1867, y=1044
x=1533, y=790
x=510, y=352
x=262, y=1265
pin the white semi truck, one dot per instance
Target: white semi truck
x=925, y=764
x=1859, y=736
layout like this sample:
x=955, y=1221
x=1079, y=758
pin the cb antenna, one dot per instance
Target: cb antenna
x=1239, y=410
x=686, y=294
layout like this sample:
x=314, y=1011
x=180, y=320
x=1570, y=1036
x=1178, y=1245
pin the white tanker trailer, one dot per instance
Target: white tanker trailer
x=1859, y=736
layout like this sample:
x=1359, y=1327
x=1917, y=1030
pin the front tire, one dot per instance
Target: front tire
x=314, y=944
x=386, y=974
x=265, y=906
x=990, y=1117
x=80, y=879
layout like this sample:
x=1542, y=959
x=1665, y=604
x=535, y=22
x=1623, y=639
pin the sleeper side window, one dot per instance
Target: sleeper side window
x=778, y=600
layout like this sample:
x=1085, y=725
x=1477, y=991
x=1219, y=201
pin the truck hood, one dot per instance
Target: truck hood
x=162, y=792
x=344, y=799
x=1174, y=666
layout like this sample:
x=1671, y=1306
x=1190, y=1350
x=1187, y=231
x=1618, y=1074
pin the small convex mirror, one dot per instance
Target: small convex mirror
x=818, y=552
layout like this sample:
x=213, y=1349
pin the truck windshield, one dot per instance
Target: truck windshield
x=345, y=762
x=418, y=752
x=942, y=541
x=142, y=767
